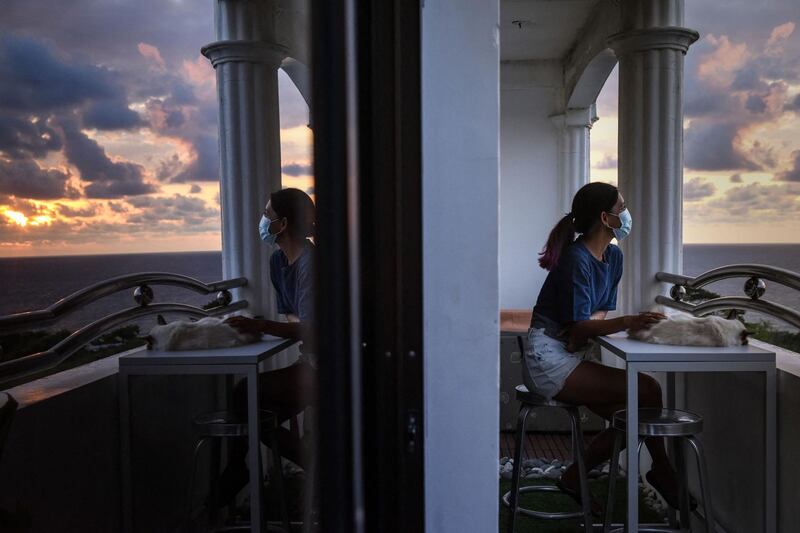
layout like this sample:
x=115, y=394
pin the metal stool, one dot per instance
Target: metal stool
x=218, y=425
x=530, y=401
x=672, y=423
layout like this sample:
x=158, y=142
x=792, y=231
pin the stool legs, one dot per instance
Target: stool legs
x=613, y=469
x=578, y=450
x=195, y=455
x=680, y=460
x=704, y=488
x=522, y=418
x=278, y=466
x=680, y=465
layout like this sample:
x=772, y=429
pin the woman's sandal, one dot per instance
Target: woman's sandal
x=673, y=500
x=596, y=506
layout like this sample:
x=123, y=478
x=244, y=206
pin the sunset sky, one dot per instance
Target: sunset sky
x=108, y=126
x=741, y=123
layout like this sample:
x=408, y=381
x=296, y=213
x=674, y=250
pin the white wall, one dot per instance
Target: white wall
x=460, y=104
x=530, y=93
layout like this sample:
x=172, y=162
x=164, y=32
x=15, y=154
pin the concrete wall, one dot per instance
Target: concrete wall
x=530, y=92
x=733, y=406
x=460, y=116
x=61, y=465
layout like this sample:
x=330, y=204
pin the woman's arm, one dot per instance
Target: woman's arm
x=287, y=330
x=583, y=330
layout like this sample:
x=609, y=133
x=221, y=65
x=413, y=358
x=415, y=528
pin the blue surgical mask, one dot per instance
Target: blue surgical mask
x=263, y=230
x=627, y=222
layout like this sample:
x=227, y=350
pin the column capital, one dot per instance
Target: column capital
x=641, y=40
x=582, y=117
x=244, y=52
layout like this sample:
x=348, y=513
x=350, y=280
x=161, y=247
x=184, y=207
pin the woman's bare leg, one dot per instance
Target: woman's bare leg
x=602, y=389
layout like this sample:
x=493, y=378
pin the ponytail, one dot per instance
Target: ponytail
x=590, y=200
x=560, y=237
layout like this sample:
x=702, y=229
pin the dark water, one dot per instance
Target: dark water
x=698, y=258
x=34, y=283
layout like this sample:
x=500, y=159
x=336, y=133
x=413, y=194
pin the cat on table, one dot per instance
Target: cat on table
x=684, y=329
x=204, y=334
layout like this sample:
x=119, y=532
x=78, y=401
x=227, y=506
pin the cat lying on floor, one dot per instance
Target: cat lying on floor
x=204, y=334
x=684, y=329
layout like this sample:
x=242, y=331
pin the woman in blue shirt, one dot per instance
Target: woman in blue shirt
x=287, y=223
x=571, y=309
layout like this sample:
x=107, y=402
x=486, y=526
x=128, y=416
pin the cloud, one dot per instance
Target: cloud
x=608, y=161
x=793, y=174
x=755, y=104
x=195, y=189
x=151, y=52
x=32, y=78
x=107, y=178
x=71, y=212
x=697, y=189
x=710, y=146
x=26, y=179
x=779, y=36
x=24, y=138
x=177, y=211
x=736, y=178
x=297, y=169
x=205, y=163
x=110, y=115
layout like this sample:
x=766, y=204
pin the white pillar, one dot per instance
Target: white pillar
x=650, y=49
x=246, y=57
x=573, y=156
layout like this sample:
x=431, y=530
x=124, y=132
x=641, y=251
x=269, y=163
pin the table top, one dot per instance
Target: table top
x=638, y=351
x=249, y=354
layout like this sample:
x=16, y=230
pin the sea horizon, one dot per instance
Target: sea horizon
x=28, y=283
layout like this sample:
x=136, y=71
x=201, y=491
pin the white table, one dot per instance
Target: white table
x=243, y=360
x=645, y=357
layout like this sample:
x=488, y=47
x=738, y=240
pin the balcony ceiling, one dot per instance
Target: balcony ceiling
x=541, y=29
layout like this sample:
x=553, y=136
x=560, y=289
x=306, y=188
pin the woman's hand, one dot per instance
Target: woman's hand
x=643, y=320
x=244, y=324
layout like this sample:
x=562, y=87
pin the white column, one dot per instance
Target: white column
x=246, y=58
x=650, y=50
x=573, y=156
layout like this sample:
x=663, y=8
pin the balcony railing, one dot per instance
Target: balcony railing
x=35, y=364
x=754, y=289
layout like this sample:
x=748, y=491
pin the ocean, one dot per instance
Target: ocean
x=35, y=282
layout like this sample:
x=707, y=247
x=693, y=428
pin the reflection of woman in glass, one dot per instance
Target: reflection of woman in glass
x=571, y=309
x=287, y=222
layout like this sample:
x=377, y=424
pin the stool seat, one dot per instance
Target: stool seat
x=230, y=424
x=523, y=395
x=655, y=422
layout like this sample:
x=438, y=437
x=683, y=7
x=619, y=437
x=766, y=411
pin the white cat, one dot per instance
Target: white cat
x=204, y=334
x=684, y=329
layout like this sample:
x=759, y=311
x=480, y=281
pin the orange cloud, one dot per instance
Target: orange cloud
x=151, y=52
x=779, y=36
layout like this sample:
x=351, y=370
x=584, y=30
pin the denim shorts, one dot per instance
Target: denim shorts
x=548, y=364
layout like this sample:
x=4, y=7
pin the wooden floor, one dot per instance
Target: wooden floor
x=540, y=445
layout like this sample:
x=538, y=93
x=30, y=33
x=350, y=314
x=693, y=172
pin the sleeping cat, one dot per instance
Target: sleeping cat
x=204, y=334
x=684, y=329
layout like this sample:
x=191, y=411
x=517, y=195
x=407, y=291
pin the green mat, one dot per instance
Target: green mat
x=556, y=502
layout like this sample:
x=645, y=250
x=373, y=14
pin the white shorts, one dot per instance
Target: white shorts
x=548, y=364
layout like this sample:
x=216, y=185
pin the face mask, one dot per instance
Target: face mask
x=625, y=229
x=263, y=230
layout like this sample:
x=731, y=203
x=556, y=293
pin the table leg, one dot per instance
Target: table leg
x=254, y=456
x=770, y=451
x=671, y=452
x=125, y=451
x=632, y=436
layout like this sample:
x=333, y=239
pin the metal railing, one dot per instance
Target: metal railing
x=754, y=288
x=37, y=363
